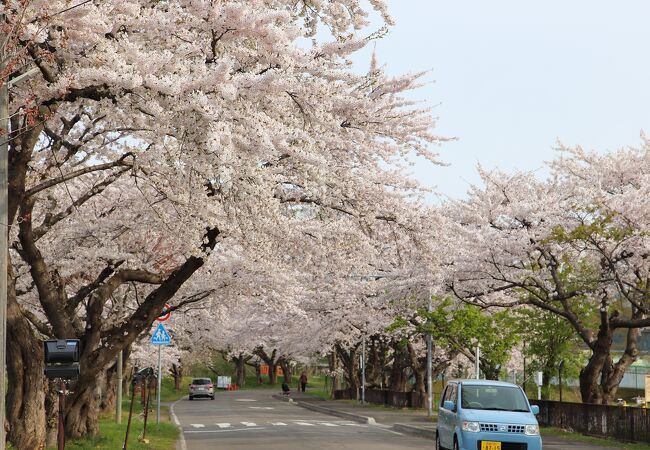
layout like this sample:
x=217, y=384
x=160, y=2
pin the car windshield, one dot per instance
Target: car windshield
x=495, y=398
x=201, y=381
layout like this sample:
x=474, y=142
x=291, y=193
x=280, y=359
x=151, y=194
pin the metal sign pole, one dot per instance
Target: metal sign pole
x=61, y=425
x=429, y=362
x=118, y=409
x=159, y=379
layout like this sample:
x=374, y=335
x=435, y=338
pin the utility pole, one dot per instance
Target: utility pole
x=478, y=359
x=559, y=370
x=363, y=370
x=429, y=362
x=4, y=237
x=4, y=224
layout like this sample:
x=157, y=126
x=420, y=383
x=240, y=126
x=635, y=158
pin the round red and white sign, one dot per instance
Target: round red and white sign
x=166, y=313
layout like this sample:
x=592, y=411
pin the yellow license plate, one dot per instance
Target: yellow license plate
x=489, y=445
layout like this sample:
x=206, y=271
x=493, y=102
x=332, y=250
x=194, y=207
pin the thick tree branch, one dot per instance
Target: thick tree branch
x=77, y=173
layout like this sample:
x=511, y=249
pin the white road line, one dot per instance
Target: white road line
x=197, y=425
x=279, y=424
x=249, y=424
x=355, y=425
x=178, y=424
x=261, y=407
x=223, y=425
x=305, y=424
x=245, y=400
x=224, y=431
x=326, y=424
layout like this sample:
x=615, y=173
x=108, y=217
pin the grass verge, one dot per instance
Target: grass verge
x=111, y=436
x=605, y=442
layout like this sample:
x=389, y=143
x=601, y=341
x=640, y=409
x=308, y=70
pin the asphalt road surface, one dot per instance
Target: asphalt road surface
x=254, y=420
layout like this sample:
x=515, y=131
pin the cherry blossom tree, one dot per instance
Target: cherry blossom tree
x=575, y=245
x=160, y=137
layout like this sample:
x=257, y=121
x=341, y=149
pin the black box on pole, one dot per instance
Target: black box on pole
x=61, y=359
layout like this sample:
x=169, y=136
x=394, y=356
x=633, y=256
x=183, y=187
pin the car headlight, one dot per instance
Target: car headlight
x=532, y=430
x=472, y=427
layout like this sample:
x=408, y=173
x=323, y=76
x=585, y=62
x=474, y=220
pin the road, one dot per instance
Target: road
x=254, y=420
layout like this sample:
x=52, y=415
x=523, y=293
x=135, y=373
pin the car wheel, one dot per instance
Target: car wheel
x=212, y=398
x=438, y=446
x=191, y=398
x=456, y=447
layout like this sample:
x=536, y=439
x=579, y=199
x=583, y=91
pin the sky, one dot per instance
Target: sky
x=512, y=77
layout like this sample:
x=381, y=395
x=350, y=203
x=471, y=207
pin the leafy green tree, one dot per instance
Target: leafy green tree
x=549, y=339
x=457, y=328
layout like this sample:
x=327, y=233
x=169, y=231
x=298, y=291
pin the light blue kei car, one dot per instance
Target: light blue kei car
x=486, y=415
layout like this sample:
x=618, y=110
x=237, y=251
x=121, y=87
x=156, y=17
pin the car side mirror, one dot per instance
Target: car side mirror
x=448, y=404
x=534, y=409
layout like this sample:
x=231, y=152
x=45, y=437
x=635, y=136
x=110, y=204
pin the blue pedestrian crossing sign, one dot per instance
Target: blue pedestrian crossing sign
x=160, y=336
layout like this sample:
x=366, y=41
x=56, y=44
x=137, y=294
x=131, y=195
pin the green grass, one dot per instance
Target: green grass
x=111, y=435
x=168, y=393
x=605, y=442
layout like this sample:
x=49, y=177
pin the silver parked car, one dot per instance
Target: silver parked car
x=201, y=387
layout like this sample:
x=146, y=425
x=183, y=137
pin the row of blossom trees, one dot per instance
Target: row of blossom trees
x=568, y=253
x=185, y=152
x=206, y=155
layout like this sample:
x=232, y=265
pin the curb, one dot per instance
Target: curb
x=181, y=437
x=284, y=399
x=330, y=411
x=334, y=412
x=415, y=431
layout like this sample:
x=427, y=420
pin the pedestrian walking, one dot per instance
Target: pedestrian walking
x=303, y=381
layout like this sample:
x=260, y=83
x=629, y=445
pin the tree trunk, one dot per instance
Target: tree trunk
x=376, y=364
x=419, y=367
x=26, y=382
x=270, y=361
x=258, y=373
x=107, y=382
x=82, y=409
x=51, y=414
x=350, y=360
x=177, y=373
x=398, y=378
x=273, y=373
x=600, y=378
x=286, y=370
x=334, y=368
x=240, y=368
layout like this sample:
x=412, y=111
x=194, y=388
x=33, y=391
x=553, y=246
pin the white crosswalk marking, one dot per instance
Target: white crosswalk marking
x=197, y=425
x=326, y=424
x=279, y=424
x=249, y=424
x=305, y=424
x=223, y=425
